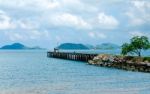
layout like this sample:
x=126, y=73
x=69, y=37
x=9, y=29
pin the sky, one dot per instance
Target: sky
x=47, y=23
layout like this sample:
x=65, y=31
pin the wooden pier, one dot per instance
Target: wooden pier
x=72, y=56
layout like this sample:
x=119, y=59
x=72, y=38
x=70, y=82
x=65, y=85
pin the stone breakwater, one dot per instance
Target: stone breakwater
x=130, y=63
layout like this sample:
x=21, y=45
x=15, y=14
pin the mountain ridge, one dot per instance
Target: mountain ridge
x=68, y=46
x=107, y=46
x=18, y=46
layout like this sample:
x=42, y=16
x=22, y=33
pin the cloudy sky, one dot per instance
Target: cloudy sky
x=48, y=22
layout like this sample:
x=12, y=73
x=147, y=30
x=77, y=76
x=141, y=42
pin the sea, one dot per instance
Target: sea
x=32, y=72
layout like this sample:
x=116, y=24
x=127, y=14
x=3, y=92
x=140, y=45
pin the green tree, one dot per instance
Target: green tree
x=136, y=45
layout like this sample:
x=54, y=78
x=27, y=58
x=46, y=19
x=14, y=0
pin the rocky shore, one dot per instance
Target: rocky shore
x=129, y=63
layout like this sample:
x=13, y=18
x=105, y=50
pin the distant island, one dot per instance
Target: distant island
x=73, y=46
x=64, y=46
x=107, y=46
x=19, y=46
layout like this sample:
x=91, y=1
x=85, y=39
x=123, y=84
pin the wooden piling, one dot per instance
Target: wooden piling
x=72, y=56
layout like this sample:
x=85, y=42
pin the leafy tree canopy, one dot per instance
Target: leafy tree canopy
x=136, y=45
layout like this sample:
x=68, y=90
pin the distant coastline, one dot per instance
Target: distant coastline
x=19, y=46
x=75, y=46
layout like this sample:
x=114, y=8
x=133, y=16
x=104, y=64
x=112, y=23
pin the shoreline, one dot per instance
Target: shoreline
x=129, y=63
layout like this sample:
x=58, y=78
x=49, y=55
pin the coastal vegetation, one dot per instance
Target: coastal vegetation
x=136, y=45
x=132, y=63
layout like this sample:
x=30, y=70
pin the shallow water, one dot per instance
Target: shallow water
x=31, y=72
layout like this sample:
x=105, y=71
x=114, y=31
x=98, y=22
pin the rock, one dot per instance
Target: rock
x=119, y=59
x=105, y=58
x=96, y=58
x=121, y=62
x=148, y=64
x=90, y=62
x=147, y=61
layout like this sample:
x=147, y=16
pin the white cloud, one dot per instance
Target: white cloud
x=139, y=12
x=31, y=4
x=27, y=35
x=138, y=3
x=135, y=20
x=16, y=36
x=5, y=21
x=92, y=34
x=51, y=5
x=48, y=5
x=13, y=36
x=136, y=33
x=107, y=21
x=69, y=20
x=141, y=5
x=139, y=33
x=97, y=35
x=9, y=23
x=2, y=12
x=78, y=6
x=26, y=24
x=34, y=34
x=58, y=38
x=101, y=35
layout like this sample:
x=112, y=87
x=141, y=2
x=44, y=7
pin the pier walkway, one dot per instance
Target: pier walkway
x=72, y=56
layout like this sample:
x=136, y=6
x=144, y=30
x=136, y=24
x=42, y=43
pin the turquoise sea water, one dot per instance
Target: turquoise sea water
x=31, y=72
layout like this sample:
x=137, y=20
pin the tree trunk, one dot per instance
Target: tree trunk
x=139, y=54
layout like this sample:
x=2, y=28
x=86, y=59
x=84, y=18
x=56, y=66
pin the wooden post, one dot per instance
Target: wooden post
x=71, y=56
